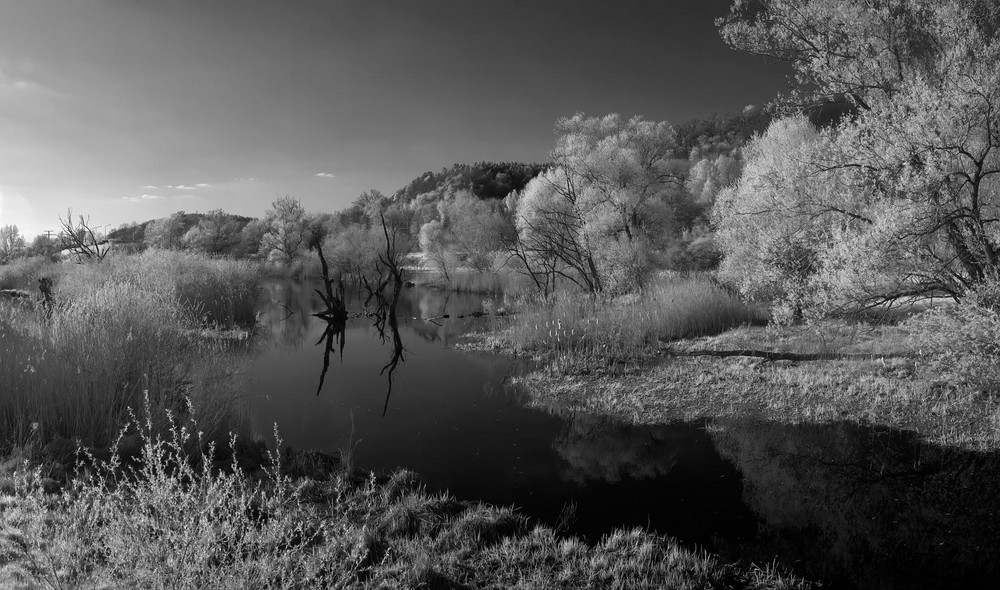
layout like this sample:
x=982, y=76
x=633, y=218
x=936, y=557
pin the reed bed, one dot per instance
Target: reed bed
x=576, y=331
x=219, y=292
x=77, y=374
x=121, y=329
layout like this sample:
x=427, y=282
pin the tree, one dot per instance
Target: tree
x=167, y=232
x=43, y=245
x=916, y=193
x=78, y=237
x=284, y=235
x=613, y=195
x=773, y=225
x=11, y=242
x=617, y=168
x=550, y=230
x=373, y=203
x=216, y=233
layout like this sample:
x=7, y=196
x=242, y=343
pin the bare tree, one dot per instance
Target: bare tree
x=79, y=238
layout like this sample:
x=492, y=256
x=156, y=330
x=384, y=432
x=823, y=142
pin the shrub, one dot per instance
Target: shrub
x=960, y=343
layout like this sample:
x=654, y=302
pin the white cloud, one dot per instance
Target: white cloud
x=245, y=179
x=181, y=187
x=326, y=175
x=202, y=185
x=150, y=187
x=143, y=197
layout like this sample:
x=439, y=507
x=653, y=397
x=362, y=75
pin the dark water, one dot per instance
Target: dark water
x=855, y=507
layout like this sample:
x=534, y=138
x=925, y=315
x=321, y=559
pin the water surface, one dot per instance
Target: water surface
x=852, y=506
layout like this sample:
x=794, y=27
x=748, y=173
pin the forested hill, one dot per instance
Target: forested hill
x=486, y=180
x=721, y=133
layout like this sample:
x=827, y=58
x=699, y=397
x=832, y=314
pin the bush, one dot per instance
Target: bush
x=960, y=343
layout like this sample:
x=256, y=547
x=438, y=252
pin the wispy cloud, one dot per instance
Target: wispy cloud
x=326, y=175
x=143, y=197
x=151, y=187
x=246, y=179
x=17, y=79
x=181, y=187
x=202, y=185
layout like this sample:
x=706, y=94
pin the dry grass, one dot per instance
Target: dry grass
x=216, y=291
x=23, y=273
x=883, y=379
x=575, y=332
x=76, y=372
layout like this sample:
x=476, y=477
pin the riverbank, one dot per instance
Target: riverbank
x=309, y=522
x=933, y=374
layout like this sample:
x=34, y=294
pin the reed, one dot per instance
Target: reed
x=75, y=372
x=217, y=291
x=574, y=331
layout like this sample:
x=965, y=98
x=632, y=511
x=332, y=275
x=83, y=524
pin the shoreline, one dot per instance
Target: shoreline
x=870, y=381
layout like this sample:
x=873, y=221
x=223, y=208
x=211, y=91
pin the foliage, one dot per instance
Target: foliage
x=284, y=234
x=483, y=180
x=911, y=180
x=11, y=242
x=771, y=224
x=960, y=343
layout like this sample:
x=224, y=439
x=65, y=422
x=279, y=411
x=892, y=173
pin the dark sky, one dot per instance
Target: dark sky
x=133, y=109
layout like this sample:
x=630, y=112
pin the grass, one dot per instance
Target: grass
x=119, y=329
x=216, y=291
x=573, y=332
x=174, y=518
x=884, y=375
x=23, y=273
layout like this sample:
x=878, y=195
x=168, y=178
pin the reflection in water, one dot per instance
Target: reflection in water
x=335, y=328
x=853, y=506
x=866, y=507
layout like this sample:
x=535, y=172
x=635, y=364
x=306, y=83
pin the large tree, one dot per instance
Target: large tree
x=915, y=195
x=613, y=191
x=285, y=230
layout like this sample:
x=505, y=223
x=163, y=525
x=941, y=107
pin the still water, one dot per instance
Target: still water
x=854, y=507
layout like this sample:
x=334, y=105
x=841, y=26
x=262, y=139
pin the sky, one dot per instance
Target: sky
x=129, y=110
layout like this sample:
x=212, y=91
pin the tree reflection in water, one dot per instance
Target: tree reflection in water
x=868, y=507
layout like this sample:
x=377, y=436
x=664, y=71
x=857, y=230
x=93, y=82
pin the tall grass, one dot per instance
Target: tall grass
x=23, y=273
x=77, y=371
x=576, y=331
x=217, y=291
